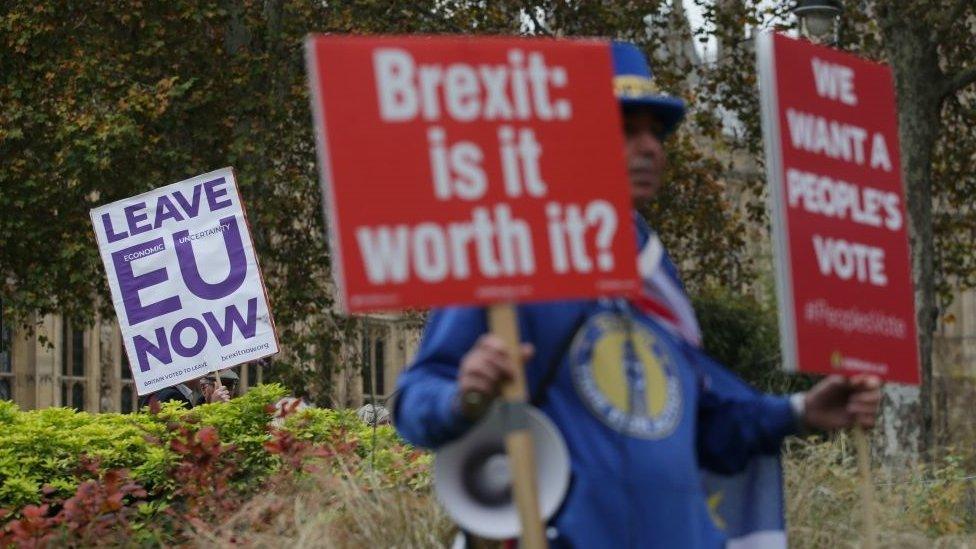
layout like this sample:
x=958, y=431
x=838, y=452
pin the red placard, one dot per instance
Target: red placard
x=846, y=298
x=470, y=171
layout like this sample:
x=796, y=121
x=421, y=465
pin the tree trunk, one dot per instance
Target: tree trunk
x=907, y=432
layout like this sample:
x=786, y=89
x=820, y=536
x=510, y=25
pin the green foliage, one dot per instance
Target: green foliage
x=742, y=333
x=50, y=446
x=362, y=472
x=106, y=101
x=146, y=476
x=45, y=447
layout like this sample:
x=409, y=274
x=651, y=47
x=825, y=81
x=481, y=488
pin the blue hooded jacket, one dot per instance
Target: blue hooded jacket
x=634, y=403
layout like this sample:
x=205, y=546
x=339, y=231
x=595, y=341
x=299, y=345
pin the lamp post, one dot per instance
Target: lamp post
x=819, y=20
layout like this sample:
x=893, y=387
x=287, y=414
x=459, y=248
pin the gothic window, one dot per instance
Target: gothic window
x=72, y=367
x=255, y=374
x=128, y=396
x=78, y=395
x=6, y=363
x=378, y=365
x=128, y=399
x=373, y=362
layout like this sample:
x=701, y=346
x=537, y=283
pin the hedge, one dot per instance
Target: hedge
x=155, y=466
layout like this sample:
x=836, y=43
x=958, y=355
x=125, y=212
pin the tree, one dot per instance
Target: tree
x=103, y=102
x=930, y=46
x=742, y=333
x=696, y=216
x=106, y=101
x=931, y=50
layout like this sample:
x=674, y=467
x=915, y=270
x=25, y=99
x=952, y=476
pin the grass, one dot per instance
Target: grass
x=333, y=511
x=928, y=506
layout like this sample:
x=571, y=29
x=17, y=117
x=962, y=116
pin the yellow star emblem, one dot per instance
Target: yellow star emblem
x=714, y=501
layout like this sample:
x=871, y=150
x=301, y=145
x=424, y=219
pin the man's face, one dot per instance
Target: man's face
x=643, y=133
x=208, y=384
x=205, y=385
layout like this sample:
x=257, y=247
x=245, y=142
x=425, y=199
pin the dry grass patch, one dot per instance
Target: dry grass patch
x=333, y=511
x=930, y=505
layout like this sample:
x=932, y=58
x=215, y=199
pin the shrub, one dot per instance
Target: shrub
x=323, y=479
x=70, y=477
x=742, y=333
x=48, y=447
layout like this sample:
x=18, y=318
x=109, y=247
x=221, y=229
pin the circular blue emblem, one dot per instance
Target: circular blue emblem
x=626, y=376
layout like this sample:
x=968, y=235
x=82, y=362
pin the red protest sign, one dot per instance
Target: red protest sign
x=843, y=272
x=470, y=171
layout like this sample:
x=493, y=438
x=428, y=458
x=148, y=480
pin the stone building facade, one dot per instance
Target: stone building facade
x=87, y=368
x=83, y=367
x=387, y=343
x=954, y=372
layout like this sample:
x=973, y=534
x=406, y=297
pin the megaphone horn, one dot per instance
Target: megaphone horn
x=473, y=482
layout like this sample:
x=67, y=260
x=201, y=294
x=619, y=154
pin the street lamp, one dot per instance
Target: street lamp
x=819, y=19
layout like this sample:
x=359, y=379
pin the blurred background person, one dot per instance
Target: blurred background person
x=202, y=390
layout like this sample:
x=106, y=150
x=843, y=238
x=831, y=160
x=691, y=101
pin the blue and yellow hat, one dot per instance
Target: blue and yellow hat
x=633, y=84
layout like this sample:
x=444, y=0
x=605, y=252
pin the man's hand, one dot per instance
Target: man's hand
x=487, y=365
x=837, y=402
x=220, y=394
x=212, y=393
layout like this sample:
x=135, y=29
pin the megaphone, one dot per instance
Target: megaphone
x=473, y=482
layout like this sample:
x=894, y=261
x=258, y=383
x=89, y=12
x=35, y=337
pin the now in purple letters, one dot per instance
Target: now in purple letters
x=224, y=333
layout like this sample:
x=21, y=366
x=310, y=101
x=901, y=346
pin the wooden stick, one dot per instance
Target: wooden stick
x=518, y=443
x=868, y=528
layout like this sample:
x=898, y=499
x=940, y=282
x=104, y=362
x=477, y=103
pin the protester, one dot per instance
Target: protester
x=640, y=406
x=373, y=414
x=202, y=390
x=211, y=392
x=182, y=392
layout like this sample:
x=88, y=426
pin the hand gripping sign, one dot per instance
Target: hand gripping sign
x=185, y=280
x=843, y=272
x=473, y=172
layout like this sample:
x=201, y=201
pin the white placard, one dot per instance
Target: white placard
x=185, y=280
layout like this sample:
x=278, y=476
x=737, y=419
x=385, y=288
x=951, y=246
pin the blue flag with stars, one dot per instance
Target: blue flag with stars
x=747, y=506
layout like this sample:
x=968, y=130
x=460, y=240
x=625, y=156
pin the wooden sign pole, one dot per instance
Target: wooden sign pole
x=868, y=528
x=518, y=442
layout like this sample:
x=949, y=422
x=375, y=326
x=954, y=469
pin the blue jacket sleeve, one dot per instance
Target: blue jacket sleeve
x=735, y=422
x=425, y=410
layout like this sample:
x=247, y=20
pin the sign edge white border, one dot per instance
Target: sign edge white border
x=769, y=111
x=326, y=179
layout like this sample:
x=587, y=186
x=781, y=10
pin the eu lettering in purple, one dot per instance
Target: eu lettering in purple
x=191, y=270
x=130, y=284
